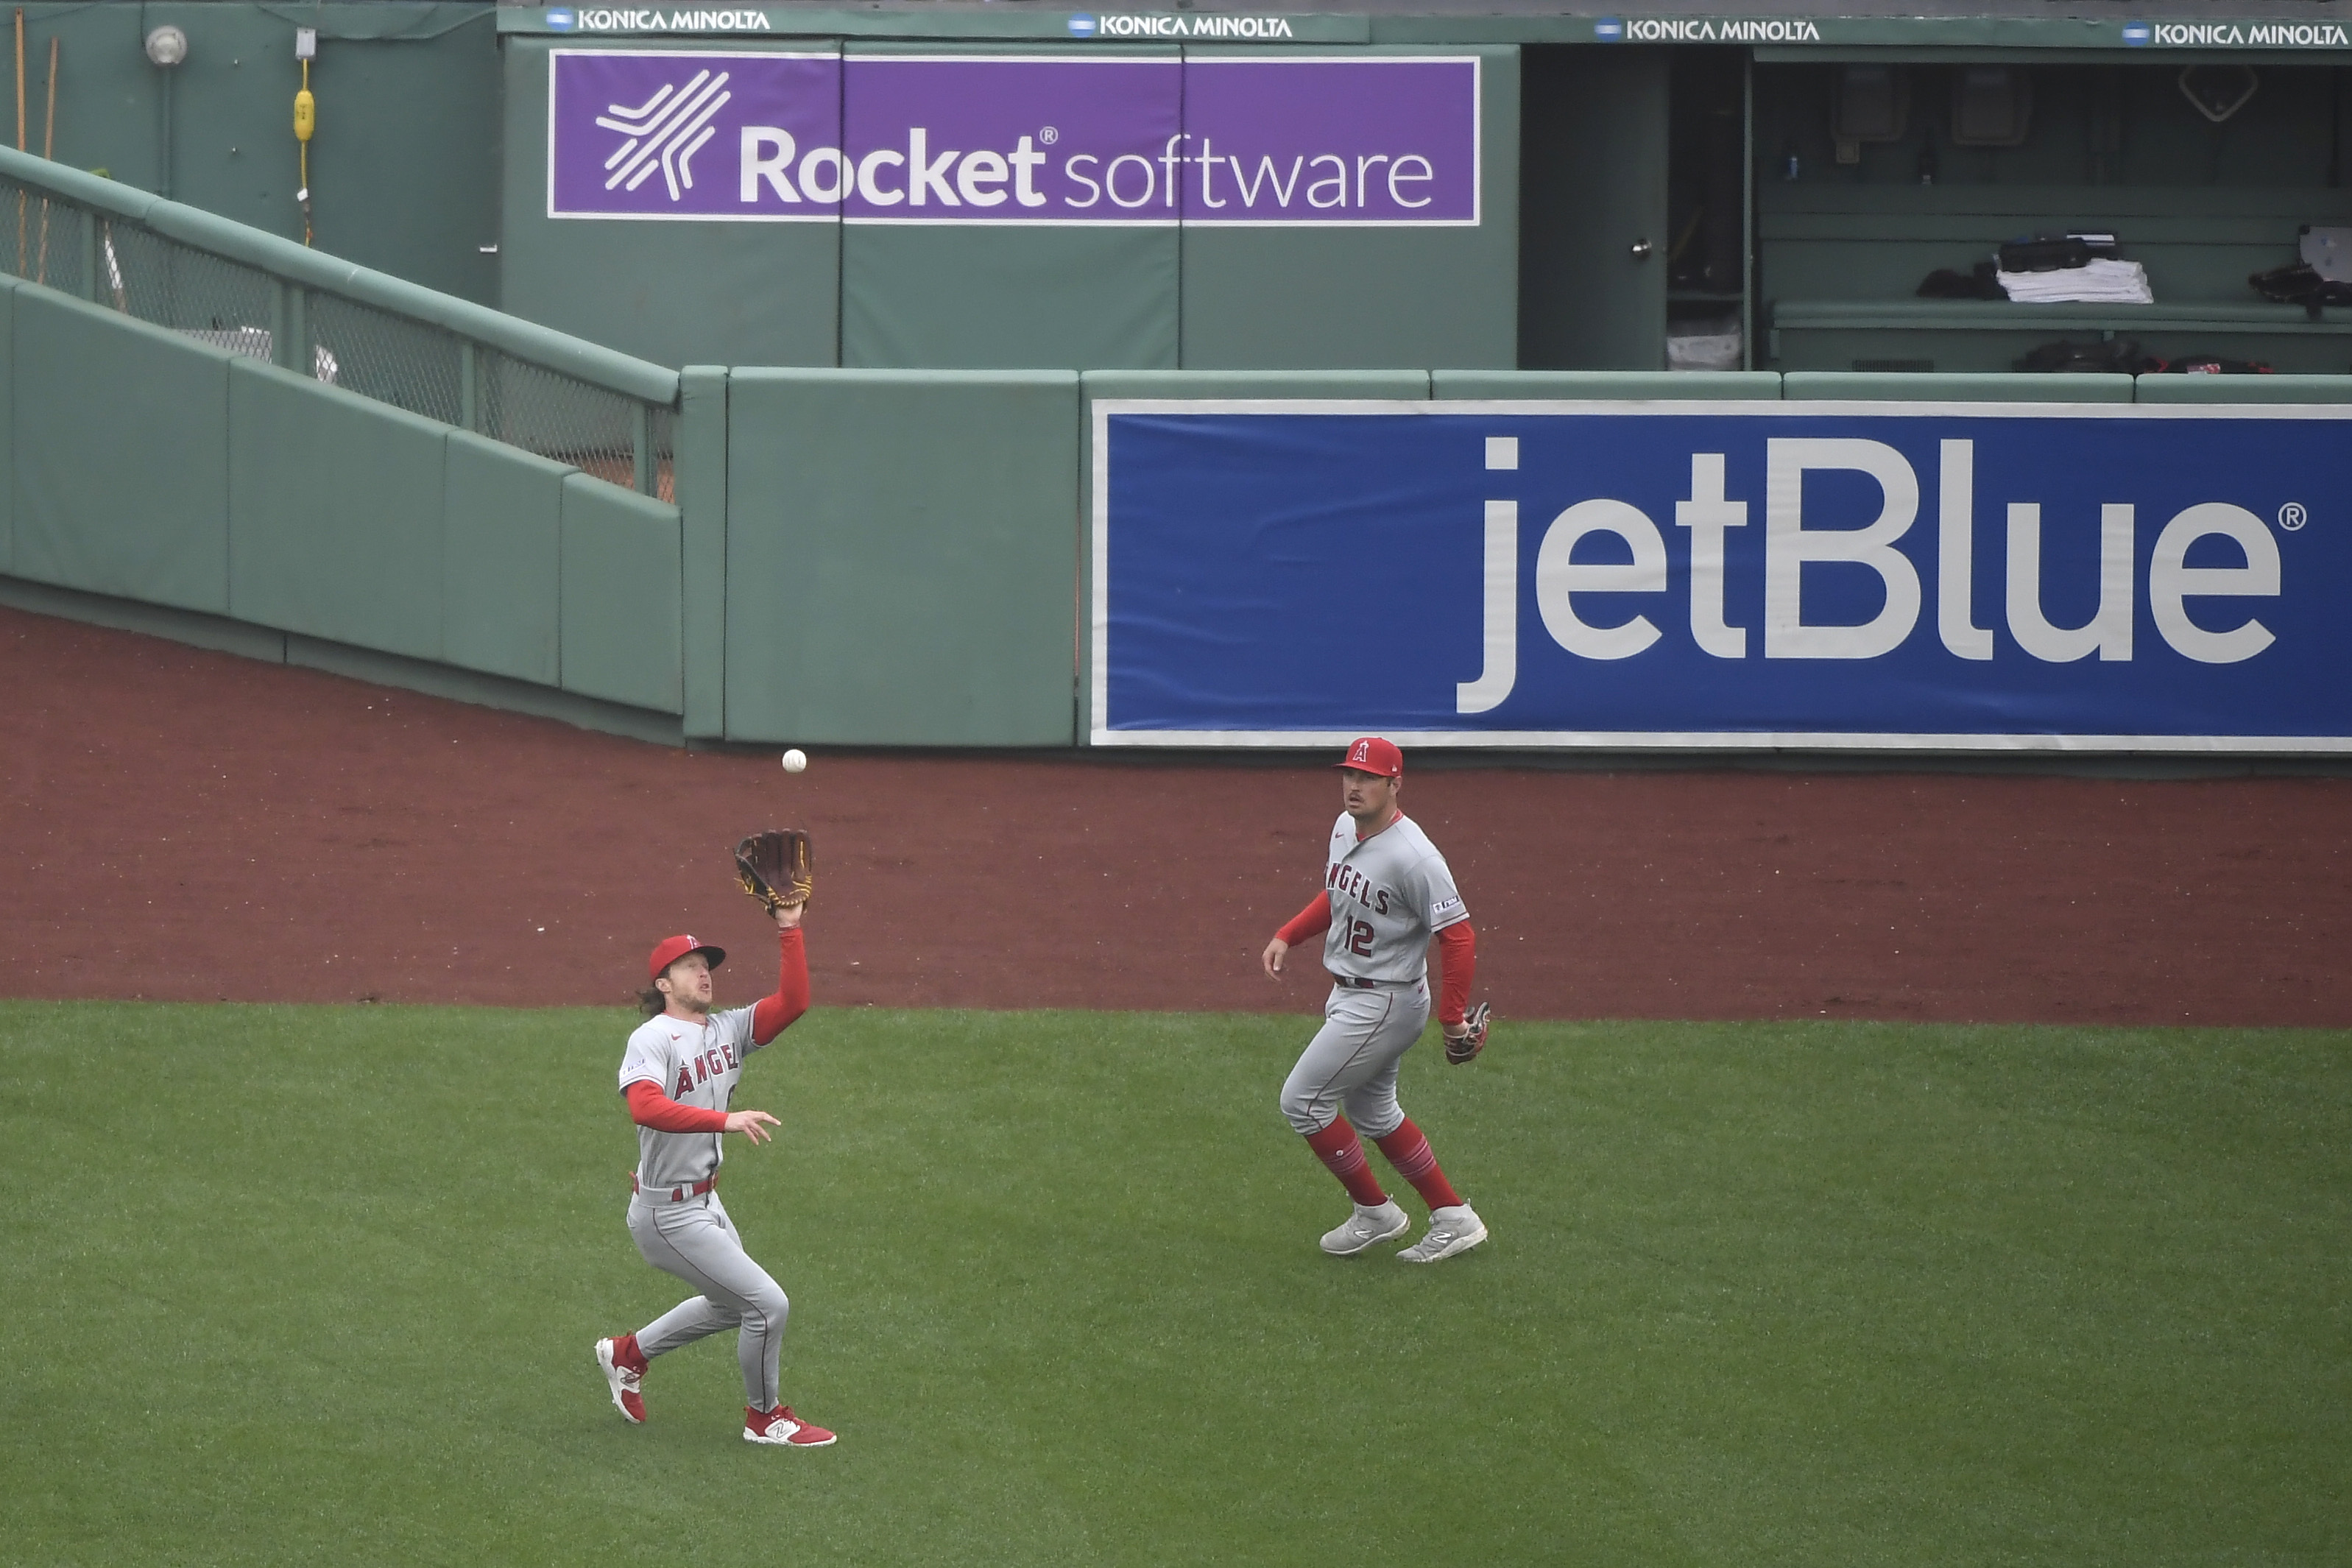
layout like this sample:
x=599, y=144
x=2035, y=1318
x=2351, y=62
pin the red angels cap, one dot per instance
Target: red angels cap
x=674, y=948
x=1373, y=755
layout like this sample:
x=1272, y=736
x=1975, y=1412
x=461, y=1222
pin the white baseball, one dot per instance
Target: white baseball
x=795, y=760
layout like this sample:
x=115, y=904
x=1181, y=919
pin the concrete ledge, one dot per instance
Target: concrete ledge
x=194, y=628
x=222, y=635
x=483, y=690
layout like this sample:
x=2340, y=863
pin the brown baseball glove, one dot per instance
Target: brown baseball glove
x=774, y=868
x=1465, y=1046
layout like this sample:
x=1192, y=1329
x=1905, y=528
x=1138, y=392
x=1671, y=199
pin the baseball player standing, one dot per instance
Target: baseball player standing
x=679, y=1073
x=1386, y=890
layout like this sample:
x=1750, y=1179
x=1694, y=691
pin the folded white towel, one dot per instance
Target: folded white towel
x=2093, y=283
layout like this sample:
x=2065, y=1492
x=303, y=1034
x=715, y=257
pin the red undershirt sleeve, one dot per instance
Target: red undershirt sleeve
x=649, y=1107
x=771, y=1016
x=1458, y=960
x=1312, y=921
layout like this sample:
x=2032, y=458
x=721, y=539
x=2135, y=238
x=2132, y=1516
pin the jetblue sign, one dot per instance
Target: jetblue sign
x=1916, y=575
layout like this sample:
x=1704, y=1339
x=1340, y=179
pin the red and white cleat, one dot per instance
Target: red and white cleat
x=624, y=1370
x=781, y=1426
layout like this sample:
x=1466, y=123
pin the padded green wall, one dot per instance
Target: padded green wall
x=981, y=298
x=120, y=473
x=337, y=509
x=1895, y=387
x=975, y=298
x=1465, y=385
x=404, y=169
x=620, y=595
x=1272, y=298
x=675, y=293
x=901, y=557
x=7, y=424
x=501, y=558
x=2244, y=389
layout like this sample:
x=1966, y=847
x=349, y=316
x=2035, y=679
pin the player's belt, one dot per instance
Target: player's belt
x=1352, y=983
x=677, y=1194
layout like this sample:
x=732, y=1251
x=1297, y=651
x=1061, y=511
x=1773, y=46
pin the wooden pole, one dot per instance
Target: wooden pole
x=48, y=151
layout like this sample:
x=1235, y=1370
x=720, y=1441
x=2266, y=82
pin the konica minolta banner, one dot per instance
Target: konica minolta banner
x=1723, y=575
x=735, y=136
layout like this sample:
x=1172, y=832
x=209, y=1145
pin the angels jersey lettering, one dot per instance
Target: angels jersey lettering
x=694, y=1064
x=1389, y=894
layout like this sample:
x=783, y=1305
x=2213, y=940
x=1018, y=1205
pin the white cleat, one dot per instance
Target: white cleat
x=1366, y=1227
x=1456, y=1228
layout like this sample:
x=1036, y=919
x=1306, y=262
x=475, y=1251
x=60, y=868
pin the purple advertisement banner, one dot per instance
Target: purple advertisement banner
x=1383, y=139
x=951, y=139
x=1058, y=140
x=674, y=135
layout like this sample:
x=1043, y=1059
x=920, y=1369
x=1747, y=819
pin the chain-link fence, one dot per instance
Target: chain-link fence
x=360, y=347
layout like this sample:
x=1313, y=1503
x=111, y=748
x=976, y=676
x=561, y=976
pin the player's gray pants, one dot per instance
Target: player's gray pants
x=696, y=1241
x=1351, y=1062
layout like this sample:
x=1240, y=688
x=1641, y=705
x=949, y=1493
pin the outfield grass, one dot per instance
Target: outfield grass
x=319, y=1286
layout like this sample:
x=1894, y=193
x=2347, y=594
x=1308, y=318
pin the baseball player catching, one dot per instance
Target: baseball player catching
x=679, y=1073
x=1386, y=890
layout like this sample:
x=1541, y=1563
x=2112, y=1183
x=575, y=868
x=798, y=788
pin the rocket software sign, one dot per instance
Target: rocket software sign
x=744, y=137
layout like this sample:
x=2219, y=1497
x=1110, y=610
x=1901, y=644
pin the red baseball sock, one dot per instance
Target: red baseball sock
x=1410, y=1152
x=1339, y=1147
x=627, y=1353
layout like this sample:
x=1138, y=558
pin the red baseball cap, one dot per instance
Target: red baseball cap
x=1373, y=755
x=674, y=948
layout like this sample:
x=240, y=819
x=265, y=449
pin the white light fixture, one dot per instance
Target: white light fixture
x=167, y=47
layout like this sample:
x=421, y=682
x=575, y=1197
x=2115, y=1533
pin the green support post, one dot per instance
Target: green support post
x=289, y=327
x=469, y=395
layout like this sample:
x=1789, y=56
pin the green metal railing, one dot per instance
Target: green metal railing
x=254, y=293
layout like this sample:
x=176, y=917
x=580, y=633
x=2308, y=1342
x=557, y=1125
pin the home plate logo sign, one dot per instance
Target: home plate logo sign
x=664, y=134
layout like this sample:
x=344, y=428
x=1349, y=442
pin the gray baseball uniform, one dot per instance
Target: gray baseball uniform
x=685, y=1232
x=1389, y=894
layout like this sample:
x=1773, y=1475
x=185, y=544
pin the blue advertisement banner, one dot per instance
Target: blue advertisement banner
x=1815, y=574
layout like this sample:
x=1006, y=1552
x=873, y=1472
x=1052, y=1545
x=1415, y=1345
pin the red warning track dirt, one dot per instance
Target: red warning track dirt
x=179, y=824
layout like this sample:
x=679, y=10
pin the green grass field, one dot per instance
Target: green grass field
x=319, y=1285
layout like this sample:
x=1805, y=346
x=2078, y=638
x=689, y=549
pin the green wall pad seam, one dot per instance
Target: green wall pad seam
x=623, y=597
x=336, y=507
x=502, y=560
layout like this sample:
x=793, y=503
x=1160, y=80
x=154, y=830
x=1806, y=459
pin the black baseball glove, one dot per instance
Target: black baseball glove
x=774, y=868
x=1465, y=1046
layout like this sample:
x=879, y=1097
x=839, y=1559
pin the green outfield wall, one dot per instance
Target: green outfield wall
x=150, y=470
x=852, y=557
